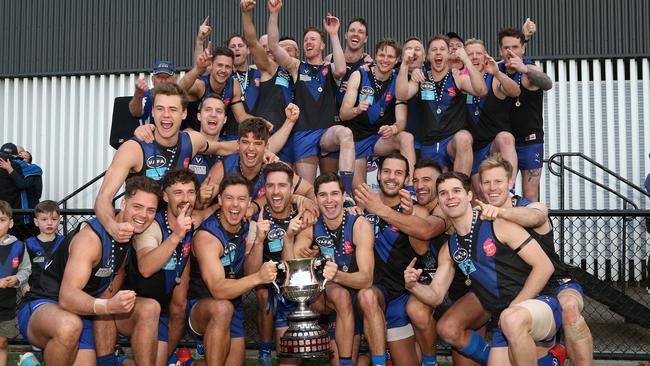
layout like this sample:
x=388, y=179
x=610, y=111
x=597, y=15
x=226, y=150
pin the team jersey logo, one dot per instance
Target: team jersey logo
x=156, y=161
x=326, y=245
x=276, y=239
x=451, y=91
x=186, y=249
x=489, y=248
x=15, y=261
x=325, y=71
x=186, y=162
x=460, y=255
x=104, y=272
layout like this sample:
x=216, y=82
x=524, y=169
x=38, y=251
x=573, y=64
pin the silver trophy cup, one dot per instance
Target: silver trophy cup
x=305, y=338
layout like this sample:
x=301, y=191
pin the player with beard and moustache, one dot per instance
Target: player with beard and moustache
x=219, y=81
x=375, y=116
x=156, y=267
x=422, y=315
x=402, y=231
x=275, y=83
x=83, y=279
x=495, y=173
x=315, y=94
x=346, y=241
x=442, y=97
x=279, y=219
x=489, y=122
x=220, y=273
x=169, y=148
x=526, y=115
x=505, y=268
x=249, y=161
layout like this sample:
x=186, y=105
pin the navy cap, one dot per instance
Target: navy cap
x=164, y=67
x=9, y=148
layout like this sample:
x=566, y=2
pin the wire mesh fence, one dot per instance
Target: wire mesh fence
x=610, y=254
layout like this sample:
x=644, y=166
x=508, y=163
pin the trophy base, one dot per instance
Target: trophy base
x=305, y=339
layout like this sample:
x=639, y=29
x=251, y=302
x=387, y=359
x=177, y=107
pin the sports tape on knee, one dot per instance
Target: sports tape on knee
x=577, y=331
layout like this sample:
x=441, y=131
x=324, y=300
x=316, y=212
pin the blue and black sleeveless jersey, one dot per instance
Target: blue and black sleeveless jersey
x=274, y=96
x=497, y=273
x=527, y=112
x=161, y=284
x=381, y=97
x=226, y=95
x=337, y=245
x=350, y=67
x=546, y=242
x=413, y=118
x=11, y=256
x=442, y=108
x=201, y=165
x=315, y=95
x=255, y=186
x=429, y=264
x=249, y=83
x=274, y=241
x=488, y=115
x=393, y=253
x=101, y=276
x=39, y=254
x=232, y=259
x=157, y=159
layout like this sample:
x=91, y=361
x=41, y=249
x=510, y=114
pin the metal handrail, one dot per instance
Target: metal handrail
x=65, y=199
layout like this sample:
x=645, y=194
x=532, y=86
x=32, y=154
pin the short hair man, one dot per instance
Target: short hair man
x=83, y=279
x=315, y=89
x=375, y=116
x=347, y=242
x=483, y=251
x=495, y=173
x=218, y=277
x=170, y=148
x=489, y=115
x=526, y=114
x=141, y=104
x=442, y=96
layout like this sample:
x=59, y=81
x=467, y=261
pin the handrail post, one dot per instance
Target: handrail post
x=621, y=276
x=65, y=218
x=561, y=176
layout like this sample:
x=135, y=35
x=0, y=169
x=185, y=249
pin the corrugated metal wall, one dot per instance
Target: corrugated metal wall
x=67, y=37
x=65, y=122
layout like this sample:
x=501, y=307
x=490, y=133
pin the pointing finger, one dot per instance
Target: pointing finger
x=412, y=264
x=206, y=20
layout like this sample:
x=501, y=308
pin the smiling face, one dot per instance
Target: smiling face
x=278, y=191
x=453, y=198
x=356, y=36
x=386, y=58
x=313, y=45
x=234, y=201
x=438, y=55
x=392, y=176
x=139, y=210
x=212, y=116
x=251, y=151
x=168, y=113
x=424, y=183
x=240, y=49
x=330, y=200
x=476, y=54
x=495, y=186
x=221, y=68
x=178, y=196
x=47, y=222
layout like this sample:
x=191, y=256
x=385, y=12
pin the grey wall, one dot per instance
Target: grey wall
x=60, y=37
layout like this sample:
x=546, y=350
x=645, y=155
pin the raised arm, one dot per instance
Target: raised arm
x=261, y=59
x=339, y=67
x=279, y=138
x=503, y=86
x=208, y=249
x=203, y=33
x=348, y=110
x=85, y=252
x=434, y=293
x=532, y=76
x=473, y=83
x=364, y=240
x=135, y=104
x=127, y=159
x=405, y=89
x=535, y=215
x=200, y=145
x=190, y=82
x=281, y=56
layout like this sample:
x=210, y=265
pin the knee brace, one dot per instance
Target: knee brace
x=576, y=331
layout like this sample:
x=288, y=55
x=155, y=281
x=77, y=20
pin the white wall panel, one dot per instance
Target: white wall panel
x=65, y=123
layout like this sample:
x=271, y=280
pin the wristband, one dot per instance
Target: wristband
x=100, y=307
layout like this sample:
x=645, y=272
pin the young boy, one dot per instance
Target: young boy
x=14, y=272
x=41, y=247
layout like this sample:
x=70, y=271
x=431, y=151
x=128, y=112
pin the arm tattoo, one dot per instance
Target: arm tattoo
x=540, y=79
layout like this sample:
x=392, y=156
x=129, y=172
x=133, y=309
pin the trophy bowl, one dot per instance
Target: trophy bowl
x=305, y=338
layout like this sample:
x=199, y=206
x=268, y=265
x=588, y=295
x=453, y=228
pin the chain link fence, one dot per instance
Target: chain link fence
x=609, y=251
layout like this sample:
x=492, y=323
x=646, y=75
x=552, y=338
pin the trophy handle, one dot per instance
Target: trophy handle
x=281, y=266
x=320, y=261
